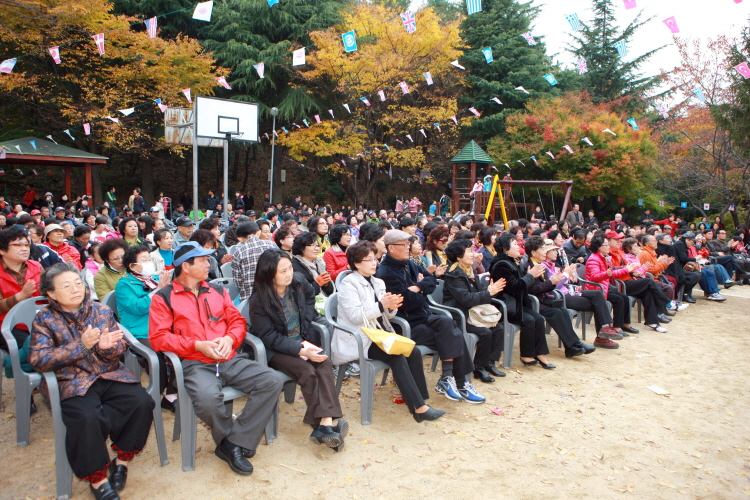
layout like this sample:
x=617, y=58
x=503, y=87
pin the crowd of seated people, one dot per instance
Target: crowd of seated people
x=161, y=266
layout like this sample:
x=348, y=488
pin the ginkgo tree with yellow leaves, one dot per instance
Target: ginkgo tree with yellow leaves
x=366, y=138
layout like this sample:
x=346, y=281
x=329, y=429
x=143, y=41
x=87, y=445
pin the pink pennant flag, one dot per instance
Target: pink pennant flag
x=317, y=118
x=423, y=133
x=51, y=139
x=550, y=154
x=7, y=65
x=455, y=63
x=409, y=137
x=404, y=87
x=454, y=119
x=473, y=110
x=99, y=40
x=187, y=95
x=346, y=106
x=671, y=23
x=35, y=172
x=223, y=82
x=629, y=4
x=87, y=128
x=428, y=77
x=260, y=68
x=568, y=149
x=343, y=162
x=497, y=101
x=55, y=53
x=743, y=69
x=162, y=107
x=2, y=157
x=364, y=100
x=381, y=93
x=331, y=111
x=399, y=141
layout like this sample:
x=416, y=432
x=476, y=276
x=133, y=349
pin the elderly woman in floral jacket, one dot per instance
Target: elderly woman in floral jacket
x=79, y=340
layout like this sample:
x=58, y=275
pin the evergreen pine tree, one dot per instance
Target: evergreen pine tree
x=516, y=63
x=609, y=76
x=733, y=114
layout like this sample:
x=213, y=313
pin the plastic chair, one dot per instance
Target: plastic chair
x=25, y=383
x=369, y=368
x=63, y=472
x=110, y=300
x=226, y=270
x=228, y=284
x=234, y=249
x=340, y=277
x=186, y=422
x=632, y=301
x=509, y=334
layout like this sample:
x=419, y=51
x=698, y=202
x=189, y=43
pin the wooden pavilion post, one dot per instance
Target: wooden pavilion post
x=454, y=190
x=89, y=188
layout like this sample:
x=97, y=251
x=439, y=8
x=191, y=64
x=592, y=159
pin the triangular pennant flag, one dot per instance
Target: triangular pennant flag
x=187, y=95
x=55, y=53
x=575, y=23
x=294, y=124
x=33, y=144
x=381, y=93
x=437, y=126
x=151, y=25
x=306, y=124
x=387, y=148
x=331, y=111
x=67, y=131
x=522, y=163
x=428, y=77
x=87, y=128
x=350, y=41
x=127, y=112
x=399, y=141
x=49, y=172
x=582, y=66
x=317, y=118
x=587, y=141
x=629, y=4
x=529, y=38
x=632, y=123
x=743, y=70
x=19, y=150
x=622, y=49
x=568, y=149
x=608, y=131
x=364, y=100
x=663, y=112
x=19, y=171
x=7, y=65
x=285, y=130
x=473, y=6
x=275, y=134
x=404, y=87
x=550, y=79
x=699, y=94
x=534, y=158
x=550, y=154
x=706, y=206
x=116, y=120
x=271, y=3
x=423, y=133
x=455, y=63
x=266, y=134
x=35, y=172
x=497, y=100
x=260, y=68
x=488, y=54
x=409, y=137
x=223, y=82
x=522, y=90
x=454, y=119
x=343, y=162
x=474, y=110
x=99, y=40
x=298, y=57
x=507, y=166
x=203, y=10
x=51, y=139
x=671, y=23
x=346, y=106
x=410, y=22
x=162, y=107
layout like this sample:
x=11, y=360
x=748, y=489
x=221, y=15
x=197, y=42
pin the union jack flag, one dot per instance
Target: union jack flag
x=582, y=67
x=151, y=27
x=529, y=37
x=410, y=22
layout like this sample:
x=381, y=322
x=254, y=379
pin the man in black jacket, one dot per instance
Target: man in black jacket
x=211, y=202
x=576, y=248
x=436, y=331
x=707, y=277
x=688, y=279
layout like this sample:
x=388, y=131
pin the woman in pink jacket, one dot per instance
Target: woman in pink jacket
x=599, y=269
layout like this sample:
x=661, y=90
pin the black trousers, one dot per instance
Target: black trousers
x=408, y=373
x=728, y=262
x=533, y=341
x=166, y=373
x=560, y=321
x=489, y=344
x=591, y=301
x=441, y=333
x=654, y=300
x=620, y=307
x=689, y=279
x=117, y=410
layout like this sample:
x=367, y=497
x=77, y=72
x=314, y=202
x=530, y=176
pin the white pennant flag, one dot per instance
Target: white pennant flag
x=7, y=65
x=587, y=141
x=260, y=68
x=474, y=110
x=428, y=77
x=422, y=130
x=51, y=139
x=298, y=57
x=408, y=136
x=187, y=95
x=223, y=82
x=497, y=101
x=19, y=150
x=127, y=112
x=55, y=53
x=331, y=111
x=116, y=120
x=550, y=154
x=568, y=149
x=522, y=90
x=203, y=10
x=87, y=128
x=99, y=40
x=347, y=108
x=67, y=131
x=437, y=126
x=455, y=63
x=382, y=95
x=454, y=119
x=608, y=131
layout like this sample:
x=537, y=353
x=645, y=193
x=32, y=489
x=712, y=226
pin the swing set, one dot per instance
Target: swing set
x=507, y=201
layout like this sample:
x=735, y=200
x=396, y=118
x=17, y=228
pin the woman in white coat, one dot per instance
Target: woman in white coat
x=361, y=295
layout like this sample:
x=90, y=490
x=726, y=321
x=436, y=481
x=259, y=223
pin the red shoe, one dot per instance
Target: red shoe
x=608, y=332
x=605, y=343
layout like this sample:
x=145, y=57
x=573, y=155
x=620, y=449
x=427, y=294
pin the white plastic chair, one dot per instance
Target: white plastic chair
x=226, y=270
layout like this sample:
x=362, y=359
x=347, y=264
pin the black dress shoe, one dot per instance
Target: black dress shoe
x=429, y=415
x=118, y=475
x=233, y=456
x=663, y=318
x=729, y=284
x=326, y=434
x=630, y=329
x=482, y=375
x=529, y=363
x=32, y=409
x=167, y=405
x=104, y=492
x=573, y=351
x=546, y=366
x=688, y=299
x=342, y=427
x=587, y=349
x=248, y=453
x=492, y=370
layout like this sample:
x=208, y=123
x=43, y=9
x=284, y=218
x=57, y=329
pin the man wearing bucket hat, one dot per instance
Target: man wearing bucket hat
x=198, y=321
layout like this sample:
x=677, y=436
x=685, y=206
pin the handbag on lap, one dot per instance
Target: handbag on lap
x=389, y=342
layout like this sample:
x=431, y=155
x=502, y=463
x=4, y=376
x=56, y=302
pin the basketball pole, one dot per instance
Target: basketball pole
x=274, y=112
x=195, y=163
x=225, y=215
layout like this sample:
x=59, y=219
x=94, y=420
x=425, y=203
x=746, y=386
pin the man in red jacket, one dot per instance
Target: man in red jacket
x=198, y=322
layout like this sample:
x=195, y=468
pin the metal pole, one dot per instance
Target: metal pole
x=225, y=216
x=195, y=164
x=274, y=112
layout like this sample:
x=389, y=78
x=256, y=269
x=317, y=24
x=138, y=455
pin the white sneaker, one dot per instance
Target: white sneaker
x=657, y=328
x=716, y=297
x=682, y=306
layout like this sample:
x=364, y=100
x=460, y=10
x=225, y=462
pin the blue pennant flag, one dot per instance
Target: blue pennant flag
x=550, y=79
x=271, y=3
x=488, y=54
x=350, y=41
x=621, y=48
x=575, y=23
x=699, y=94
x=33, y=144
x=473, y=6
x=632, y=123
x=683, y=204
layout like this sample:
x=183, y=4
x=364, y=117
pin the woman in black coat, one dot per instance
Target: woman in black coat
x=282, y=309
x=307, y=263
x=464, y=290
x=516, y=297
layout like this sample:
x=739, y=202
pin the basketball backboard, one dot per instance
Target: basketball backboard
x=218, y=117
x=178, y=129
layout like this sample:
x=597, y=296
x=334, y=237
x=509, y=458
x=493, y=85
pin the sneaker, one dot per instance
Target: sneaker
x=729, y=283
x=336, y=373
x=608, y=332
x=606, y=343
x=447, y=387
x=353, y=370
x=656, y=327
x=716, y=297
x=681, y=306
x=470, y=394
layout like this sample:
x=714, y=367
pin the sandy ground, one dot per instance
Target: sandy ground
x=589, y=429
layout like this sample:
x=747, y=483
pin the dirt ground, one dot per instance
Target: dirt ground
x=589, y=429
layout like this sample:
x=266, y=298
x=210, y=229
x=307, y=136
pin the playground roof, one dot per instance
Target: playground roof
x=472, y=153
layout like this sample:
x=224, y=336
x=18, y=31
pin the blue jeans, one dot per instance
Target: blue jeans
x=721, y=274
x=708, y=282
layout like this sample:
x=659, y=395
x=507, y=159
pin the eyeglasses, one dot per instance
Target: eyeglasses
x=443, y=240
x=400, y=244
x=373, y=259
